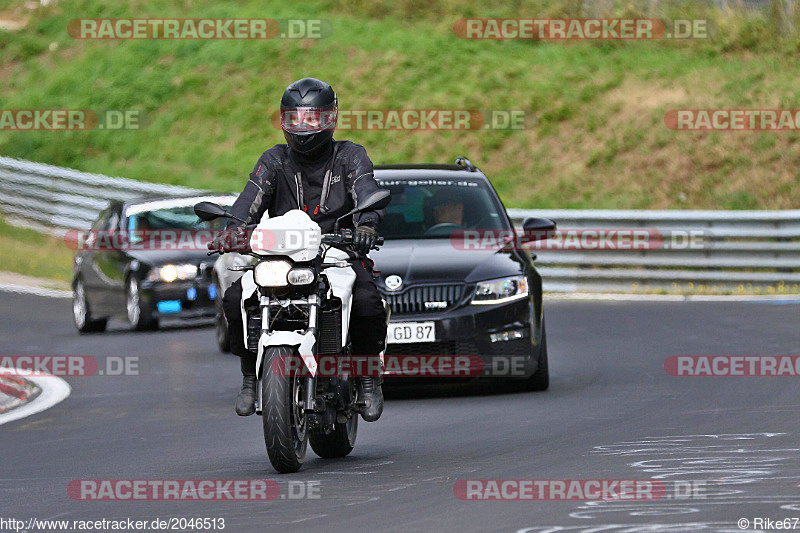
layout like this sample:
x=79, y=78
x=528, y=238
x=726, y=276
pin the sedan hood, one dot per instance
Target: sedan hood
x=437, y=261
x=163, y=257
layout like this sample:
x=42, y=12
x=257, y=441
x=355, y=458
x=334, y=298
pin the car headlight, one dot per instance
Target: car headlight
x=272, y=273
x=500, y=290
x=301, y=276
x=170, y=273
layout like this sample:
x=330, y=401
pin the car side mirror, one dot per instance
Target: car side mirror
x=538, y=228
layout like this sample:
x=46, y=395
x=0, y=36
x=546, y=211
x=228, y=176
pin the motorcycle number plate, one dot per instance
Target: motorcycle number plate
x=405, y=332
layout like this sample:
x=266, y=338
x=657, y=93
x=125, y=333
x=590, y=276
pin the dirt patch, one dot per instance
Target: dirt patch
x=12, y=22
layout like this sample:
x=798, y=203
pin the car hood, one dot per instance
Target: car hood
x=436, y=261
x=163, y=257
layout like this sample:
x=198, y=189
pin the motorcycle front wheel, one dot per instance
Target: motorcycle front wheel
x=285, y=425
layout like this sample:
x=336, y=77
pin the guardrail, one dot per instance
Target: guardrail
x=741, y=252
x=55, y=199
x=747, y=251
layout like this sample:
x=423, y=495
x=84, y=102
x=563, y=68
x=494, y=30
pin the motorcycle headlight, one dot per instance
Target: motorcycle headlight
x=272, y=273
x=170, y=273
x=301, y=276
x=500, y=290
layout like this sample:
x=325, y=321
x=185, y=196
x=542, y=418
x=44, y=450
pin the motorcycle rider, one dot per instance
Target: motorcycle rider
x=325, y=178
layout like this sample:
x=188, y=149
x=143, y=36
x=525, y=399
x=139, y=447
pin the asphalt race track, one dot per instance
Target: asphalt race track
x=612, y=412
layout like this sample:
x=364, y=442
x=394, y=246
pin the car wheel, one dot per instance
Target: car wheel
x=220, y=322
x=138, y=318
x=540, y=380
x=81, y=315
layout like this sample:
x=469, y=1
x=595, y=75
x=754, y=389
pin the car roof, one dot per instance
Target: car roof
x=426, y=171
x=161, y=202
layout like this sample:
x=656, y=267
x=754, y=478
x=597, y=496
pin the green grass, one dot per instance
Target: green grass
x=31, y=253
x=595, y=137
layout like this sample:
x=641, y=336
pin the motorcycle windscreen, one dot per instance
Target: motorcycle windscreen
x=293, y=234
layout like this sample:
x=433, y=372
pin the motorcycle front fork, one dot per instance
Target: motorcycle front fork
x=310, y=382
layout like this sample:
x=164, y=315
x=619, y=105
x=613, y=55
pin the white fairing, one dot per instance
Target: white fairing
x=293, y=235
x=341, y=280
x=296, y=236
x=248, y=288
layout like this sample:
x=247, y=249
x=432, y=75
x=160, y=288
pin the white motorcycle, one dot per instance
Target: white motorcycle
x=296, y=302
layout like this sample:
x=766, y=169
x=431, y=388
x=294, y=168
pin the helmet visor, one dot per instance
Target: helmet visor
x=308, y=119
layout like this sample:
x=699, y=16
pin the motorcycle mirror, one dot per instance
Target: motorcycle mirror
x=210, y=211
x=377, y=200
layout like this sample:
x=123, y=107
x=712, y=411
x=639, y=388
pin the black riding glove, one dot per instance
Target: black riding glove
x=364, y=239
x=229, y=240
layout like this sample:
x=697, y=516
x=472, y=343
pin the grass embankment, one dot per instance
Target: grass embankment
x=31, y=253
x=596, y=139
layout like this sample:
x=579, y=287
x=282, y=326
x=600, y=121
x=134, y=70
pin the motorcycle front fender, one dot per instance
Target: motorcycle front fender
x=303, y=343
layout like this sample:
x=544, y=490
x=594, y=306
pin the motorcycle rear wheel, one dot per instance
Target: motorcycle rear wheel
x=341, y=441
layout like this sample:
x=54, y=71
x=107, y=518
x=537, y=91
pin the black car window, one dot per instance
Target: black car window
x=435, y=208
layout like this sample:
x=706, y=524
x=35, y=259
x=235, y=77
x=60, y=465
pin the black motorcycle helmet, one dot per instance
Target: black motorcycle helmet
x=309, y=110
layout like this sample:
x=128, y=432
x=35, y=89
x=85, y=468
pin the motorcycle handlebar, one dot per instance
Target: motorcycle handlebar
x=343, y=238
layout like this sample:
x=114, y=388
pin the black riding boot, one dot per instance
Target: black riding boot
x=370, y=390
x=246, y=401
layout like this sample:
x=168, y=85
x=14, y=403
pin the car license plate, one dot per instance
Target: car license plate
x=404, y=332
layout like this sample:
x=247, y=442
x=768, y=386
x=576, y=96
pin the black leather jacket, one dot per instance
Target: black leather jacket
x=276, y=186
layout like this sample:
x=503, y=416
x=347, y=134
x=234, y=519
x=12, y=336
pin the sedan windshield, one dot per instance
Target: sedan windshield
x=435, y=208
x=180, y=218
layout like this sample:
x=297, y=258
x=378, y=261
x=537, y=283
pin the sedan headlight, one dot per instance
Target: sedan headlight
x=272, y=273
x=170, y=273
x=500, y=290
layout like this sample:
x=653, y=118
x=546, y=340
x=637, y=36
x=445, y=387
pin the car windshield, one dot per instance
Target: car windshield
x=182, y=217
x=435, y=208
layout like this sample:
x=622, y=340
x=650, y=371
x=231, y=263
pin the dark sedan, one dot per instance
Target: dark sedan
x=453, y=286
x=143, y=261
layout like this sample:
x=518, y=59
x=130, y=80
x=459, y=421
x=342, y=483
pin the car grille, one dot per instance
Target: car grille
x=433, y=348
x=412, y=300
